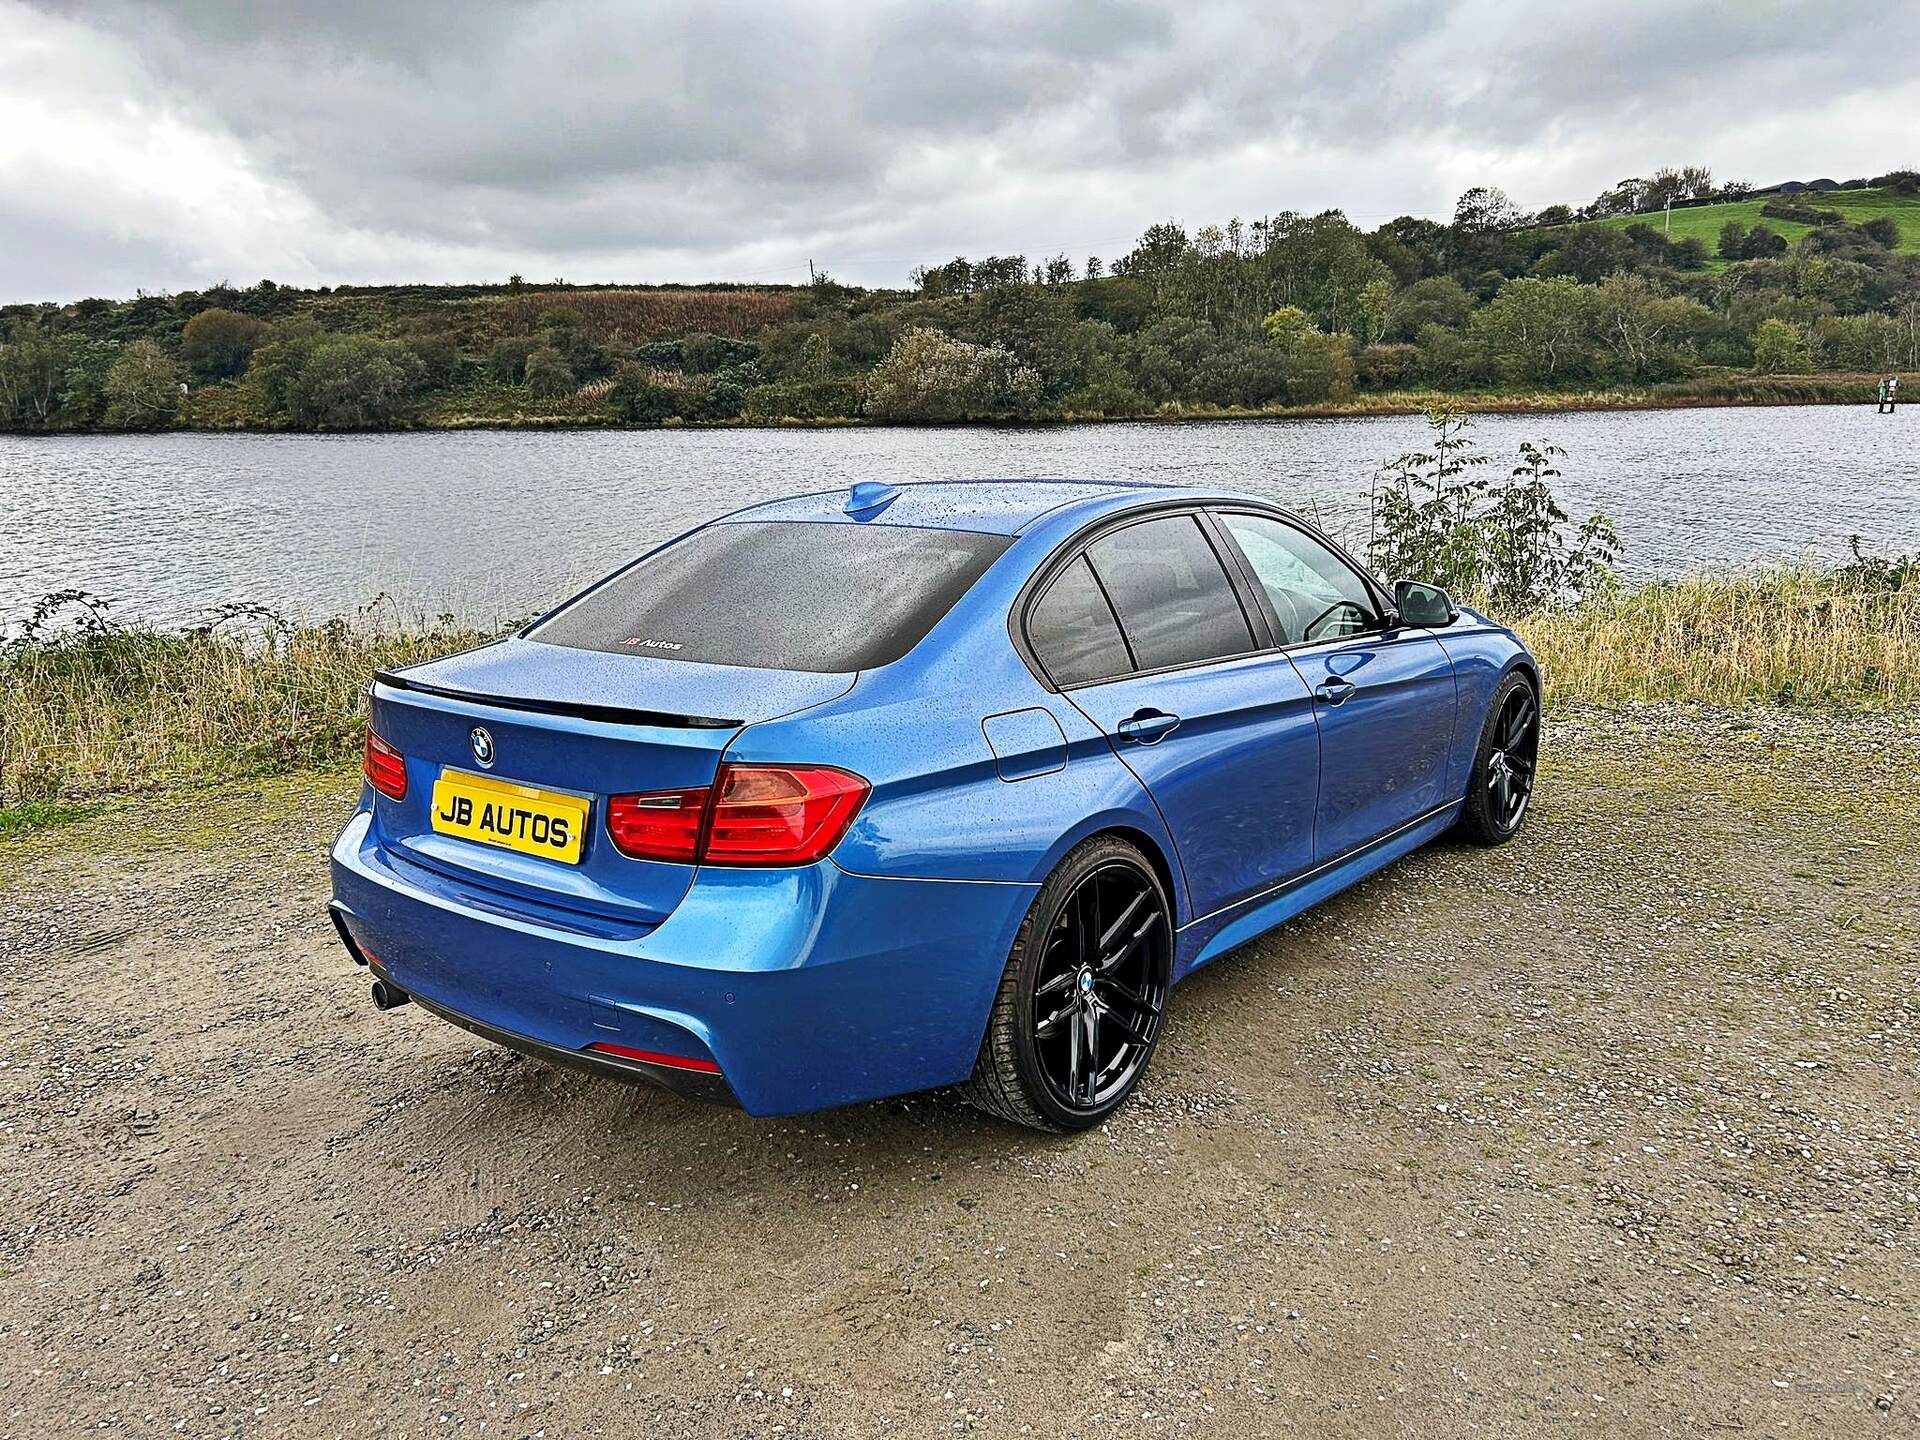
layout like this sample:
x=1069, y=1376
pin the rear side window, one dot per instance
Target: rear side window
x=780, y=595
x=1175, y=603
x=1073, y=632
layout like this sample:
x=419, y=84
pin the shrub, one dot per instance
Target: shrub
x=1387, y=367
x=706, y=354
x=1251, y=376
x=1105, y=389
x=1763, y=242
x=1287, y=328
x=1319, y=368
x=720, y=396
x=1866, y=342
x=216, y=343
x=143, y=387
x=439, y=357
x=639, y=397
x=548, y=375
x=1437, y=301
x=1448, y=356
x=1434, y=516
x=931, y=376
x=507, y=361
x=352, y=382
x=1780, y=348
x=1800, y=212
x=1883, y=230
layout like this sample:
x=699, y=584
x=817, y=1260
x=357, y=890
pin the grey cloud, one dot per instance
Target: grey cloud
x=701, y=136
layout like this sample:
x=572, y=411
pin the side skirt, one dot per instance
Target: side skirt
x=1225, y=930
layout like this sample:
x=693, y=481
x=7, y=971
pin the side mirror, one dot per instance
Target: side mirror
x=1423, y=605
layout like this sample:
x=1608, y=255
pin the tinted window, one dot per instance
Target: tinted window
x=1315, y=594
x=1174, y=600
x=1072, y=630
x=790, y=595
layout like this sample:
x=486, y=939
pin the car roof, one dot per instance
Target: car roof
x=996, y=507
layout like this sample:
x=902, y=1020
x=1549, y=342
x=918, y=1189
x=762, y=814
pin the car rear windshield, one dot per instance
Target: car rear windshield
x=780, y=595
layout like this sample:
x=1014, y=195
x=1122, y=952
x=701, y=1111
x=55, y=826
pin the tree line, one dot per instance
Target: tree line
x=1287, y=310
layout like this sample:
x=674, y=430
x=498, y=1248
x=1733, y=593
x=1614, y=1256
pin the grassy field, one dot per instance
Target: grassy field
x=135, y=710
x=1856, y=206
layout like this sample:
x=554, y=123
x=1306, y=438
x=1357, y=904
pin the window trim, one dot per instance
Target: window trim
x=1254, y=605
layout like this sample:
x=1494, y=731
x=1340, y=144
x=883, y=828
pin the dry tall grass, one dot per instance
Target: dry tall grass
x=1795, y=636
x=650, y=314
x=138, y=709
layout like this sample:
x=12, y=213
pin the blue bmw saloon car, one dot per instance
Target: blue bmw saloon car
x=860, y=793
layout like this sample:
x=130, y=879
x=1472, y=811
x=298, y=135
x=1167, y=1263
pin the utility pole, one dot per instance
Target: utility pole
x=811, y=277
x=1669, y=229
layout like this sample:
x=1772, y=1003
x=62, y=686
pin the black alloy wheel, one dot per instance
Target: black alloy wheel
x=1081, y=1005
x=1506, y=766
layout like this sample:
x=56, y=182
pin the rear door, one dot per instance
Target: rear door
x=1149, y=637
x=1384, y=698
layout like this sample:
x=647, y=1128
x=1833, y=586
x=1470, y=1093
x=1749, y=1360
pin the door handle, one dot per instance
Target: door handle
x=1334, y=690
x=1146, y=726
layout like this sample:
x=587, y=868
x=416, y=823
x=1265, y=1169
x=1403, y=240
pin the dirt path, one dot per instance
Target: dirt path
x=1611, y=1131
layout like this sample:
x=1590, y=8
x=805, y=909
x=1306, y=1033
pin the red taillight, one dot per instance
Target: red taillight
x=751, y=815
x=780, y=814
x=386, y=767
x=662, y=826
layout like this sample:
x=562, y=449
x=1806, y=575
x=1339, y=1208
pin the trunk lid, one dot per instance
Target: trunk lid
x=579, y=724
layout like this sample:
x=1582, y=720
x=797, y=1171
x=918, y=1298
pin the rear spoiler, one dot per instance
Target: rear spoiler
x=608, y=714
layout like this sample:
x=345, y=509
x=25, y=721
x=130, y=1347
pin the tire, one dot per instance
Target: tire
x=1103, y=885
x=1509, y=752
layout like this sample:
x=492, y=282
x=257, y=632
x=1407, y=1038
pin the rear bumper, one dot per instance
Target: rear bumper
x=807, y=987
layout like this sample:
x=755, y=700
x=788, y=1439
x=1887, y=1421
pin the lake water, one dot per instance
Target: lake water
x=494, y=524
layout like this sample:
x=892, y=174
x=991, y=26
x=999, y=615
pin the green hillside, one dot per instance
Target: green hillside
x=1855, y=206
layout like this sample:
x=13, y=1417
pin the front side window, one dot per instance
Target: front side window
x=780, y=595
x=1174, y=601
x=1315, y=594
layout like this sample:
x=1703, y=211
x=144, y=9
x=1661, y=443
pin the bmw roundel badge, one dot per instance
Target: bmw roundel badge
x=481, y=739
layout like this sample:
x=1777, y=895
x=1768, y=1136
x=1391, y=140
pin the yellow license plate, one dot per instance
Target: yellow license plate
x=514, y=817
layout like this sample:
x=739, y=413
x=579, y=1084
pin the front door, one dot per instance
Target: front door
x=1385, y=704
x=1384, y=698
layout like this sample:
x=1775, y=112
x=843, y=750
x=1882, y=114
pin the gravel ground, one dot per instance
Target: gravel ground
x=1609, y=1131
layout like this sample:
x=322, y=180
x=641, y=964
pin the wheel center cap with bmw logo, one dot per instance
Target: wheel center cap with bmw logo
x=481, y=739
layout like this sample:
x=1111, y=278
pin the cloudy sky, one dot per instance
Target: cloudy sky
x=150, y=145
